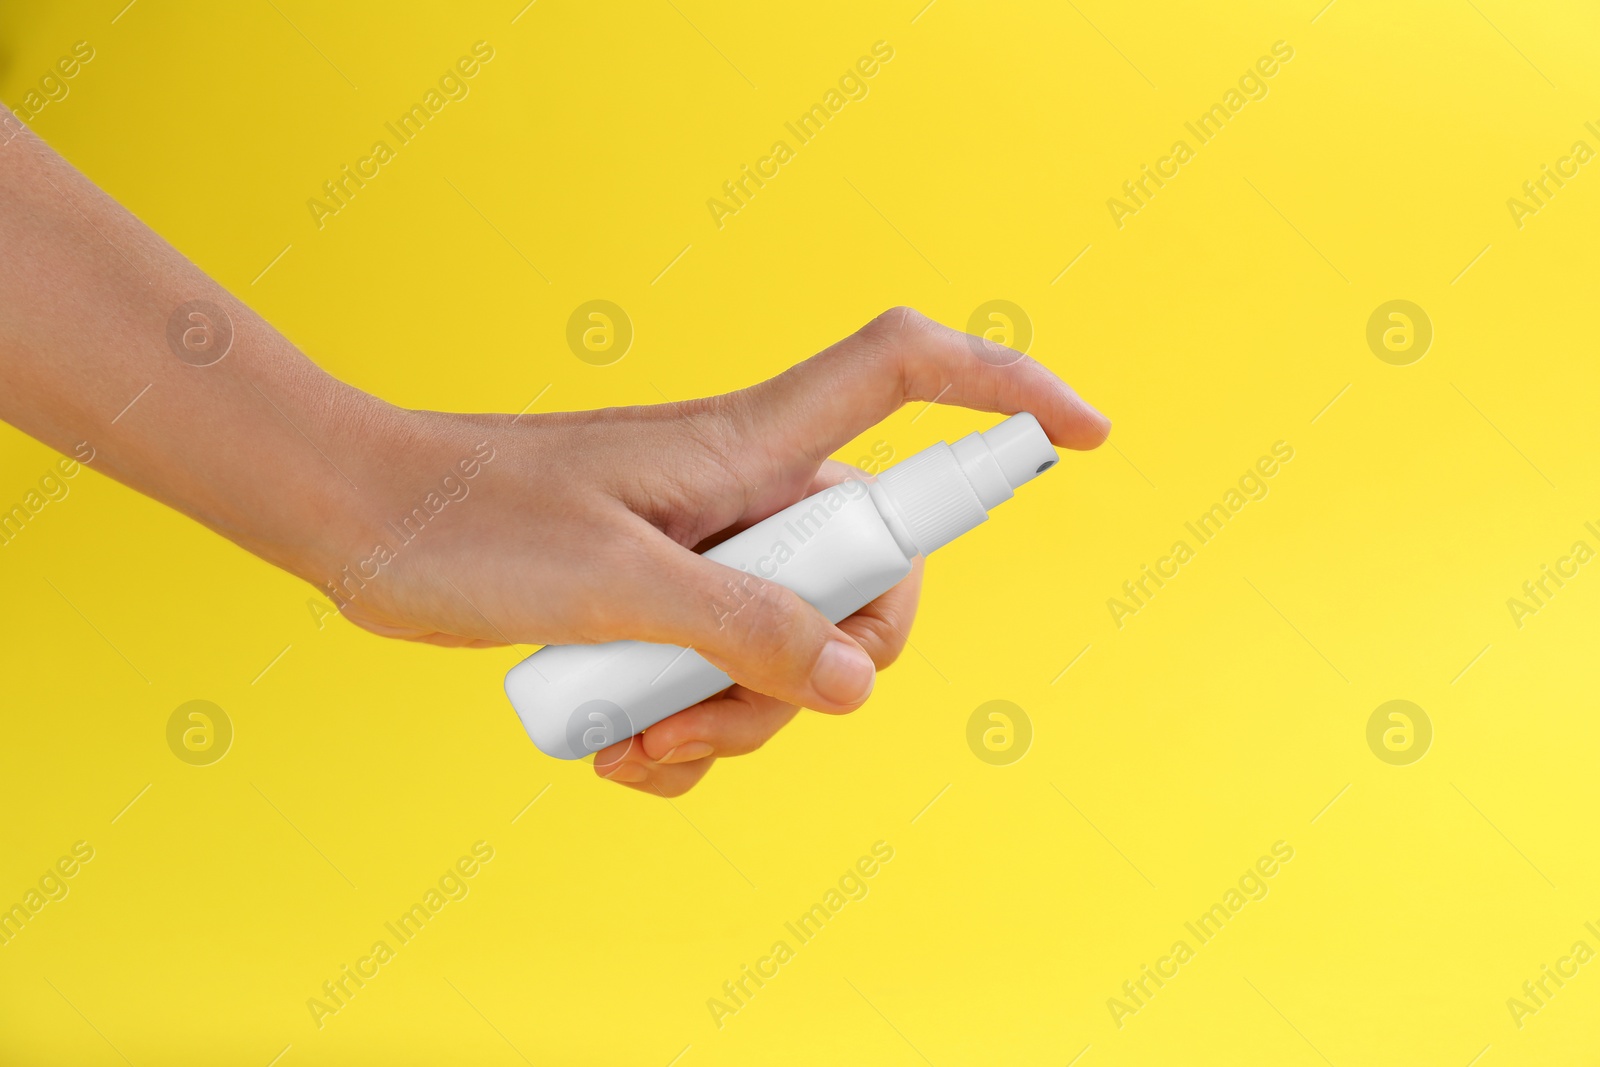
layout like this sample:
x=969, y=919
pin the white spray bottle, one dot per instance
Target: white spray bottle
x=839, y=549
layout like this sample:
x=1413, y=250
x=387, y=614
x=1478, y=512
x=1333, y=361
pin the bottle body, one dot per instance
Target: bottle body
x=839, y=549
x=836, y=549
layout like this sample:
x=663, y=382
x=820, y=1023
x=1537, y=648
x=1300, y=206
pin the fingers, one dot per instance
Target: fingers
x=883, y=627
x=674, y=754
x=734, y=724
x=818, y=406
x=652, y=779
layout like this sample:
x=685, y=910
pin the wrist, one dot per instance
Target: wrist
x=314, y=478
x=403, y=470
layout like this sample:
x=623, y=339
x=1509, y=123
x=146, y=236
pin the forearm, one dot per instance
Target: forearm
x=96, y=357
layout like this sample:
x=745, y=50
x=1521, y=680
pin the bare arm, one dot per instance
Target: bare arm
x=98, y=311
x=473, y=529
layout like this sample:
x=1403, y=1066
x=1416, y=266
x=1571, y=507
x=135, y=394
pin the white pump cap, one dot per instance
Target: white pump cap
x=942, y=492
x=1021, y=447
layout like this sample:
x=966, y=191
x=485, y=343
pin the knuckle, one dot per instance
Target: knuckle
x=720, y=429
x=885, y=346
x=708, y=420
x=767, y=624
x=893, y=325
x=881, y=640
x=744, y=743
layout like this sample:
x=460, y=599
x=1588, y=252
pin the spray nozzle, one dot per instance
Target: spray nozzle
x=1003, y=457
x=944, y=491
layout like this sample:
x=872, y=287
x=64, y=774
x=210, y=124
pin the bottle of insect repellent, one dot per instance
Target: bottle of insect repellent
x=839, y=549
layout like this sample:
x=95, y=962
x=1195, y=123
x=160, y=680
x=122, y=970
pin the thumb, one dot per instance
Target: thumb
x=761, y=634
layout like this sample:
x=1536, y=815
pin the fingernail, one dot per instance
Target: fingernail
x=626, y=772
x=843, y=674
x=1094, y=413
x=1100, y=416
x=689, y=750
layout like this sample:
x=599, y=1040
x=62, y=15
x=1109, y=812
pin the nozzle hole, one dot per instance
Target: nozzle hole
x=1046, y=465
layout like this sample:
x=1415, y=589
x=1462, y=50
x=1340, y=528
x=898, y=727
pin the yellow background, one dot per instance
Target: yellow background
x=1224, y=717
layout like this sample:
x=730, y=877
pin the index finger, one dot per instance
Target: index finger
x=816, y=407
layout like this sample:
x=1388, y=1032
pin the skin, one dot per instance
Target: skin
x=582, y=526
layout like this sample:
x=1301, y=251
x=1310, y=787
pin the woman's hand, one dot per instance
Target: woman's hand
x=582, y=527
x=474, y=529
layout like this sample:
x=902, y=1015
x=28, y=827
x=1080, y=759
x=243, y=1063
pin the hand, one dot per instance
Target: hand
x=475, y=529
x=583, y=527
